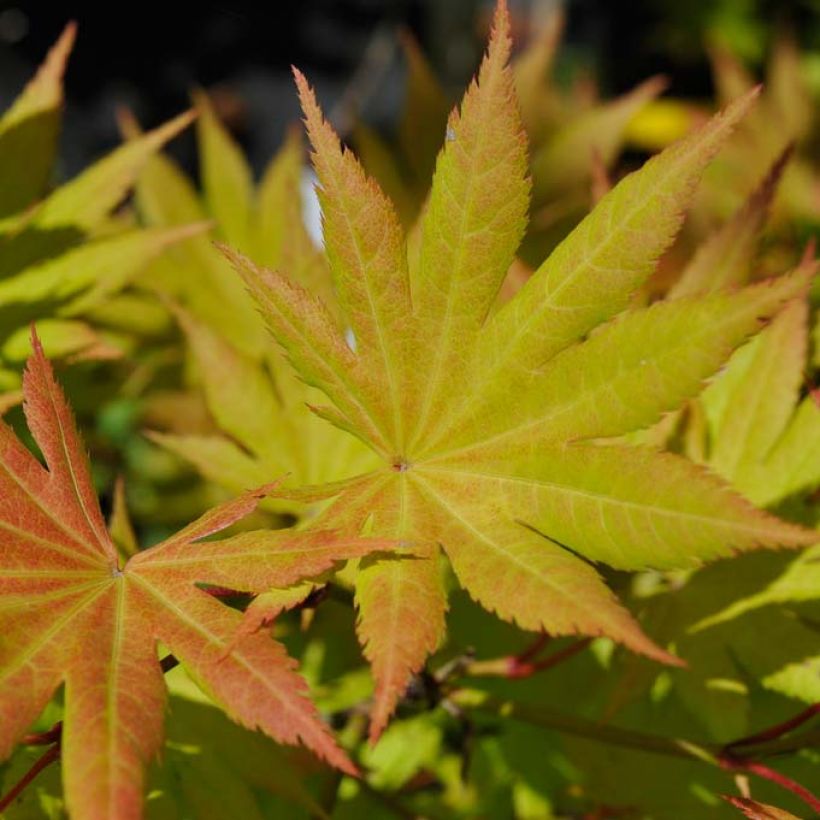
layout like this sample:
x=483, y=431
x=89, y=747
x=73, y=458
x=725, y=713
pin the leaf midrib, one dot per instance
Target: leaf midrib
x=102, y=540
x=599, y=497
x=441, y=499
x=215, y=640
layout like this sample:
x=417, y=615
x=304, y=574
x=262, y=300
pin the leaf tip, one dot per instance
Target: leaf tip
x=322, y=136
x=166, y=132
x=61, y=50
x=36, y=344
x=653, y=87
x=54, y=65
x=127, y=123
x=307, y=97
x=500, y=43
x=736, y=110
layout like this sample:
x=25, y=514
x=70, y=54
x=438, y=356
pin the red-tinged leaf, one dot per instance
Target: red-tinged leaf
x=71, y=613
x=755, y=810
x=401, y=622
x=267, y=607
x=69, y=481
x=254, y=561
x=401, y=600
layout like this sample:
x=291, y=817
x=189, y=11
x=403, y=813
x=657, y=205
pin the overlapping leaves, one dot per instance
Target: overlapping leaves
x=62, y=252
x=72, y=613
x=264, y=427
x=486, y=419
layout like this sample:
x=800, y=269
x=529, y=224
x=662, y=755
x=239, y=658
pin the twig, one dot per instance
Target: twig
x=46, y=759
x=52, y=735
x=740, y=756
x=767, y=773
x=523, y=665
x=779, y=729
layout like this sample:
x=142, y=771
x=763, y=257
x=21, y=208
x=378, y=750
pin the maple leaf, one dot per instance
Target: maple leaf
x=485, y=420
x=71, y=613
x=266, y=221
x=726, y=257
x=764, y=436
x=785, y=115
x=60, y=251
x=29, y=130
x=265, y=429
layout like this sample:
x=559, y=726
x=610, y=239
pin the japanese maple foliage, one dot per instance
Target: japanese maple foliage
x=488, y=418
x=61, y=253
x=72, y=612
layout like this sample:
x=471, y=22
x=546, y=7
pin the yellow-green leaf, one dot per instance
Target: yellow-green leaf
x=29, y=130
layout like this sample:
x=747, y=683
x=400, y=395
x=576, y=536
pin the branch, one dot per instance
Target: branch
x=778, y=730
x=581, y=727
x=741, y=755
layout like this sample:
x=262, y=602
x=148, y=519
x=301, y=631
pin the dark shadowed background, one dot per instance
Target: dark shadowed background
x=148, y=56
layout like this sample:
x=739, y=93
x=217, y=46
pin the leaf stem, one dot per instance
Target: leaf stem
x=52, y=735
x=534, y=648
x=581, y=727
x=779, y=729
x=777, y=746
x=46, y=759
x=523, y=665
x=767, y=773
x=741, y=755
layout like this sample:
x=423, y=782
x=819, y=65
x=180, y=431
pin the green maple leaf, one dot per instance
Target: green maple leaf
x=258, y=404
x=71, y=612
x=61, y=251
x=265, y=429
x=764, y=437
x=485, y=419
x=764, y=434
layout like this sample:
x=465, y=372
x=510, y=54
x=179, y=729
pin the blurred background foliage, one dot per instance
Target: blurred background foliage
x=149, y=56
